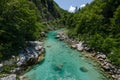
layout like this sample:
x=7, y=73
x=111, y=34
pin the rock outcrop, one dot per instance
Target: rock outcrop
x=33, y=53
x=30, y=55
x=9, y=77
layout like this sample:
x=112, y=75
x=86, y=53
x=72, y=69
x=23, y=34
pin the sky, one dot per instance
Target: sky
x=71, y=4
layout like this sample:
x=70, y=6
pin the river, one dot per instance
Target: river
x=63, y=63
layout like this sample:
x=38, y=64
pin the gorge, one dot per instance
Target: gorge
x=63, y=63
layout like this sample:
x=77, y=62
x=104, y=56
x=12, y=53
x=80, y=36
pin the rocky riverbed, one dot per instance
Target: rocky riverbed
x=99, y=56
x=63, y=63
x=33, y=53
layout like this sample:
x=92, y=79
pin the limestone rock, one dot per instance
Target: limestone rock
x=74, y=46
x=9, y=77
x=79, y=46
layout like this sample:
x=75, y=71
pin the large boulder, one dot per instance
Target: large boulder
x=79, y=46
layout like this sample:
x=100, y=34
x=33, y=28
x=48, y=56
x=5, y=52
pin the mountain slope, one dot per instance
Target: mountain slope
x=48, y=9
x=21, y=20
x=98, y=24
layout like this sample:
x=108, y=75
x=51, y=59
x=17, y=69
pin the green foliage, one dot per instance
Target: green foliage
x=98, y=24
x=49, y=10
x=96, y=41
x=115, y=57
x=17, y=21
x=115, y=26
x=21, y=21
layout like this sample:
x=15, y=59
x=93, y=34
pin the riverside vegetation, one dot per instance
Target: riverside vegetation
x=22, y=21
x=97, y=24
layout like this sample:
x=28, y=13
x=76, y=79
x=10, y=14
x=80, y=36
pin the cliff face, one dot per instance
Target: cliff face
x=48, y=9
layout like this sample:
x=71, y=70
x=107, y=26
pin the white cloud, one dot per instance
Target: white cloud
x=83, y=5
x=71, y=9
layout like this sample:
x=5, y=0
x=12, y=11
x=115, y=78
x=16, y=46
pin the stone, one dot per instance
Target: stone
x=19, y=63
x=86, y=48
x=113, y=76
x=79, y=48
x=73, y=46
x=58, y=36
x=118, y=71
x=43, y=34
x=38, y=47
x=106, y=67
x=101, y=60
x=9, y=77
x=58, y=67
x=83, y=69
x=31, y=53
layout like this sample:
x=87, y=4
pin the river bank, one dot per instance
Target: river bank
x=63, y=63
x=56, y=49
x=32, y=54
x=100, y=57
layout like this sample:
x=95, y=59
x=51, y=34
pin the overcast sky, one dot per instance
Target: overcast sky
x=71, y=4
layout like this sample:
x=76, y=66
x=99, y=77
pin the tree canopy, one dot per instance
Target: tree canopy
x=98, y=24
x=22, y=20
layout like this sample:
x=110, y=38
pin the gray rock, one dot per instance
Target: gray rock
x=9, y=77
x=103, y=56
x=74, y=46
x=79, y=46
x=58, y=36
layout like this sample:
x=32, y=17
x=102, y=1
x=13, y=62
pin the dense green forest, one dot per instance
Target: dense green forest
x=23, y=20
x=98, y=24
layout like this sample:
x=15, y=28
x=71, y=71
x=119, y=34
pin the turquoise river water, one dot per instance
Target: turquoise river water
x=63, y=63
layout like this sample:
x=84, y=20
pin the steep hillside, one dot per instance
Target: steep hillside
x=22, y=20
x=48, y=9
x=98, y=24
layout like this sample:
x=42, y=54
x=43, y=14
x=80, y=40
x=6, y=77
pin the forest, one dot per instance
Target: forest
x=98, y=24
x=23, y=20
